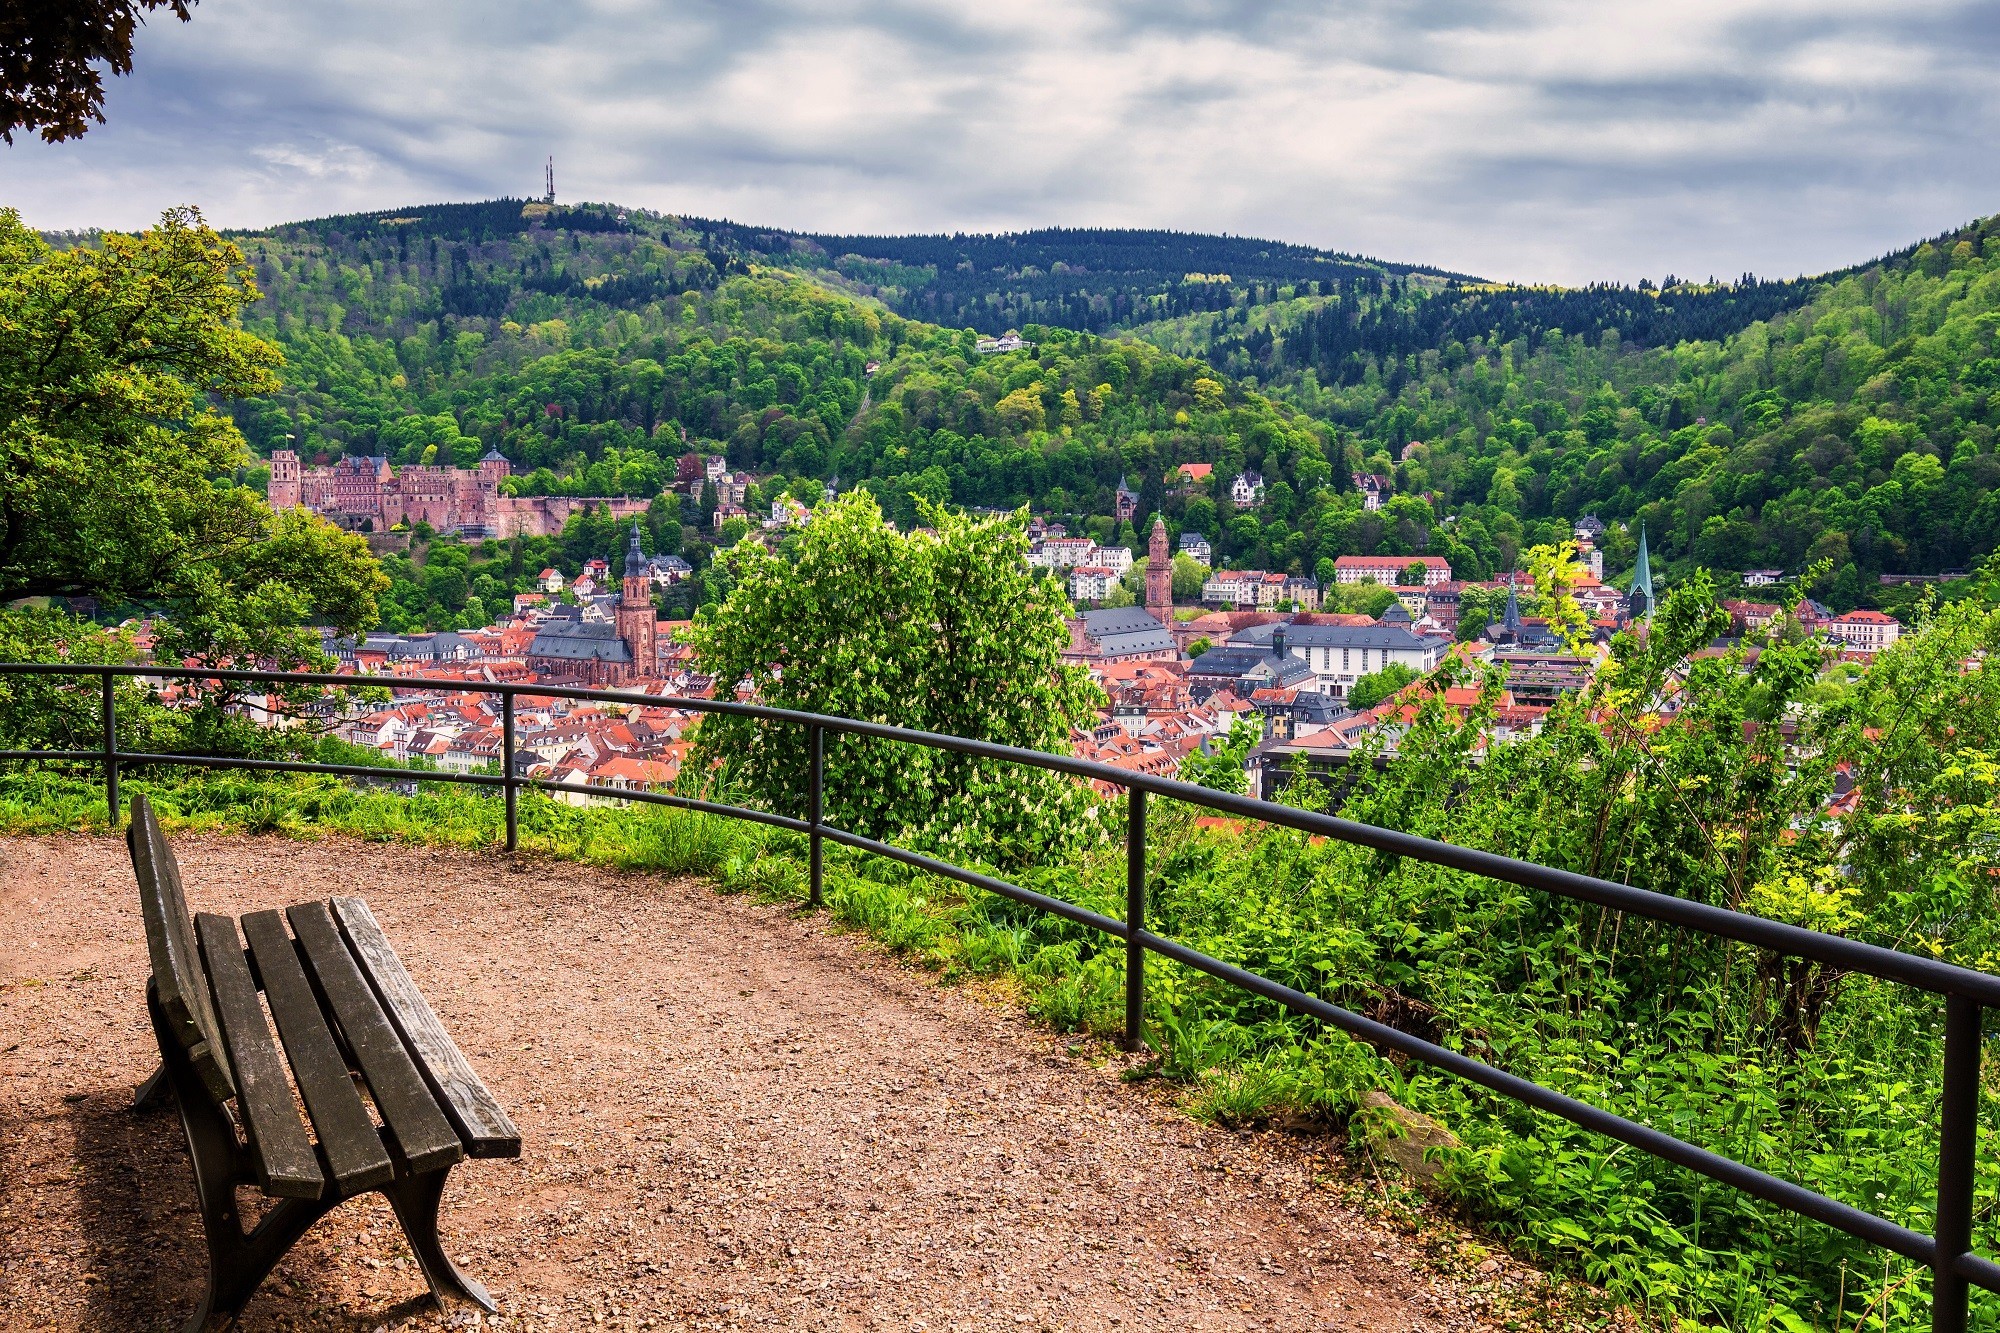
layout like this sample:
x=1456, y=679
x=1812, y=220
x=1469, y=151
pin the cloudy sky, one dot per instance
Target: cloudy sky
x=1538, y=140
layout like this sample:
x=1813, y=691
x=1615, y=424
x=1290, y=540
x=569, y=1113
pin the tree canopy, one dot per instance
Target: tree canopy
x=49, y=50
x=111, y=449
x=944, y=630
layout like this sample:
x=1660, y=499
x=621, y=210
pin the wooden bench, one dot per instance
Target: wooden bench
x=391, y=1103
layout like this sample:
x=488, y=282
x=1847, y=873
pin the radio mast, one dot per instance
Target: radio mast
x=549, y=179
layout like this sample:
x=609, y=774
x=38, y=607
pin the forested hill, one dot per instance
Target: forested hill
x=1078, y=278
x=1849, y=417
x=594, y=357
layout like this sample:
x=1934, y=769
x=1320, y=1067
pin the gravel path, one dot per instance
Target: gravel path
x=733, y=1118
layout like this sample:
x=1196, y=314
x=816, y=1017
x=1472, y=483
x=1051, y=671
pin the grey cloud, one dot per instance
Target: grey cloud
x=1535, y=139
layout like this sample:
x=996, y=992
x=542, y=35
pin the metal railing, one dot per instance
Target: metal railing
x=1947, y=1253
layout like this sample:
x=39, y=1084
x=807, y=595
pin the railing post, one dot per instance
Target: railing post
x=816, y=800
x=510, y=785
x=1958, y=1135
x=110, y=749
x=1135, y=918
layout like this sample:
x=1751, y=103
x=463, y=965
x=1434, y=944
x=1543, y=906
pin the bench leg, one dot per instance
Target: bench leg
x=237, y=1263
x=416, y=1203
x=153, y=1092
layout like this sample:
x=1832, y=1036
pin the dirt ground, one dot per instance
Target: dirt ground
x=733, y=1117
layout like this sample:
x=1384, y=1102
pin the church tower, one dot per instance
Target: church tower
x=636, y=624
x=1159, y=575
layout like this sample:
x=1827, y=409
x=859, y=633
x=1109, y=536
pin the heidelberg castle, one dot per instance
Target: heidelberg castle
x=361, y=491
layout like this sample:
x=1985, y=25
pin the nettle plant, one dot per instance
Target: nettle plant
x=940, y=629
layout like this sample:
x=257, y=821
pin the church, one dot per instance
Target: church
x=569, y=650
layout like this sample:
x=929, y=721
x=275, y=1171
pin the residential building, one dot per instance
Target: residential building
x=1590, y=557
x=1539, y=679
x=1290, y=712
x=1062, y=553
x=1231, y=587
x=1125, y=502
x=1196, y=547
x=1864, y=631
x=1245, y=588
x=1750, y=617
x=1189, y=475
x=1009, y=341
x=1762, y=578
x=1374, y=488
x=667, y=570
x=1091, y=583
x=1387, y=570
x=1441, y=603
x=1247, y=490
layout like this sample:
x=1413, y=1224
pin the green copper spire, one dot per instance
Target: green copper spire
x=1642, y=579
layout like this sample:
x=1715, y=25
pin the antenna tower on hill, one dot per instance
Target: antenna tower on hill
x=549, y=181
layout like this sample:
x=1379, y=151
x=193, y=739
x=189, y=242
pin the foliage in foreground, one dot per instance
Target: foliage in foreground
x=1824, y=1079
x=1671, y=775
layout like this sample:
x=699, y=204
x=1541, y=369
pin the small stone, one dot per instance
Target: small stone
x=1407, y=1138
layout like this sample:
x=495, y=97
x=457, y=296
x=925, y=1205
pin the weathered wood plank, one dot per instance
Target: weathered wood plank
x=486, y=1129
x=170, y=947
x=280, y=1151
x=353, y=1149
x=409, y=1109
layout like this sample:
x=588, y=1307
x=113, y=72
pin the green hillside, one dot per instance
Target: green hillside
x=1856, y=424
x=1747, y=424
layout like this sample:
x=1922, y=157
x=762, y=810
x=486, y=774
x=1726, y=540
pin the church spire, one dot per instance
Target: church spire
x=1510, y=620
x=1642, y=580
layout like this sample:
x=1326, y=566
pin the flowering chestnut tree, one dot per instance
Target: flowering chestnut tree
x=941, y=629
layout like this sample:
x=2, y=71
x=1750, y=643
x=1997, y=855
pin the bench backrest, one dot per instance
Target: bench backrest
x=180, y=981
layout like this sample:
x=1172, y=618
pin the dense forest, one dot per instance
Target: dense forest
x=1747, y=424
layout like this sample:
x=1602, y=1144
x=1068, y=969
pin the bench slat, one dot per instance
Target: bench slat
x=486, y=1129
x=170, y=947
x=423, y=1135
x=347, y=1136
x=281, y=1152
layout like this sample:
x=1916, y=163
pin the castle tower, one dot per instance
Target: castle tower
x=1159, y=575
x=636, y=622
x=284, y=491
